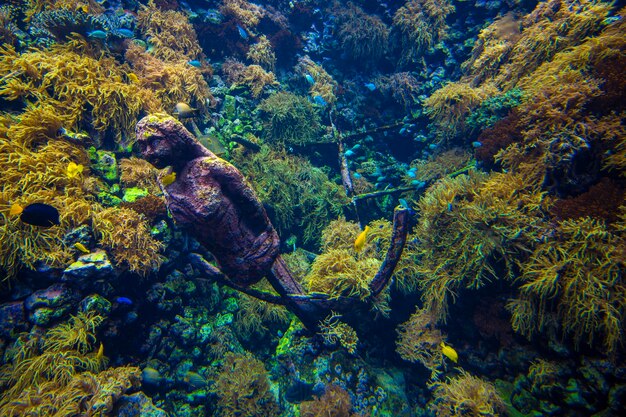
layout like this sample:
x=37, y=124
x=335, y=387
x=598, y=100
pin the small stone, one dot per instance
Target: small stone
x=44, y=306
x=137, y=405
x=89, y=268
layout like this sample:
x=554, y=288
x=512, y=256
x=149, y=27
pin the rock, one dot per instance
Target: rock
x=137, y=405
x=96, y=303
x=44, y=306
x=89, y=268
x=12, y=319
x=104, y=163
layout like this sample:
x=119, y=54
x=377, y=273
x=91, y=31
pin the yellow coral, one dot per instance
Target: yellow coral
x=127, y=235
x=419, y=341
x=324, y=85
x=573, y=283
x=335, y=331
x=261, y=53
x=466, y=395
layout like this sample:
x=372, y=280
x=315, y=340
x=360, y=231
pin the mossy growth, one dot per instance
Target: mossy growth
x=126, y=234
x=242, y=388
x=573, y=284
x=62, y=373
x=466, y=395
x=301, y=196
x=289, y=119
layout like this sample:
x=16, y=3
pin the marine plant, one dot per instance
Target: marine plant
x=572, y=284
x=466, y=395
x=419, y=341
x=169, y=32
x=252, y=76
x=402, y=87
x=334, y=331
x=126, y=234
x=254, y=315
x=452, y=103
x=289, y=119
x=261, y=53
x=61, y=373
x=75, y=82
x=420, y=24
x=324, y=86
x=362, y=36
x=301, y=196
x=339, y=234
x=335, y=402
x=137, y=172
x=242, y=388
x=438, y=166
x=243, y=12
x=467, y=226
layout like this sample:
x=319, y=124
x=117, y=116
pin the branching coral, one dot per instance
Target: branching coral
x=470, y=224
x=452, y=103
x=59, y=374
x=466, y=395
x=324, y=85
x=80, y=84
x=301, y=195
x=335, y=402
x=289, y=119
x=136, y=172
x=362, y=36
x=169, y=32
x=334, y=331
x=421, y=24
x=574, y=282
x=127, y=235
x=254, y=315
x=242, y=388
x=419, y=341
x=339, y=234
x=261, y=53
x=245, y=13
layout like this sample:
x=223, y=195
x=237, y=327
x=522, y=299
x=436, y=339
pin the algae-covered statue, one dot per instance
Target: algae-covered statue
x=213, y=201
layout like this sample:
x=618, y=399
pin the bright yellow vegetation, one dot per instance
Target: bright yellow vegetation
x=419, y=341
x=61, y=373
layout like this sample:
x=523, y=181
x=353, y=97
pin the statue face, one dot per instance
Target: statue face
x=156, y=149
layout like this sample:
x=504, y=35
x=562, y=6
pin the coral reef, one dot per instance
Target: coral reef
x=572, y=284
x=419, y=341
x=335, y=402
x=362, y=36
x=420, y=24
x=242, y=388
x=289, y=120
x=466, y=395
x=126, y=234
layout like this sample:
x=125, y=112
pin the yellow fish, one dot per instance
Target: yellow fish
x=449, y=352
x=359, y=242
x=183, y=110
x=132, y=77
x=81, y=247
x=16, y=210
x=74, y=170
x=168, y=179
x=100, y=353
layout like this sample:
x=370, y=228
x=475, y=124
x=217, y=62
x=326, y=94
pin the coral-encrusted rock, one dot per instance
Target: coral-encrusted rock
x=44, y=306
x=138, y=405
x=88, y=268
x=12, y=319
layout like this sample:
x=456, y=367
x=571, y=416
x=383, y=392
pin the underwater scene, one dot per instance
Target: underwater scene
x=314, y=208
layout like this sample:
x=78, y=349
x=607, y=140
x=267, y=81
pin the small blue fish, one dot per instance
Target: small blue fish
x=124, y=300
x=357, y=175
x=126, y=33
x=403, y=131
x=319, y=100
x=309, y=79
x=356, y=147
x=432, y=146
x=477, y=144
x=370, y=86
x=404, y=203
x=418, y=184
x=382, y=178
x=195, y=63
x=97, y=34
x=348, y=153
x=449, y=206
x=411, y=174
x=242, y=32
